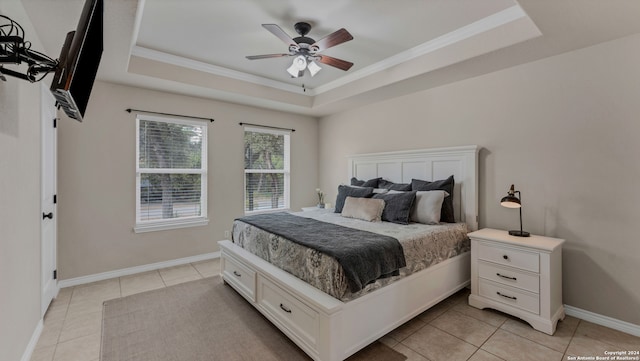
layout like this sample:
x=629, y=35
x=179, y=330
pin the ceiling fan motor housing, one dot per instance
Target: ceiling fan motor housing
x=303, y=29
x=304, y=40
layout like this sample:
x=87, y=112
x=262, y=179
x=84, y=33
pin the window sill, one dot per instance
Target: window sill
x=163, y=226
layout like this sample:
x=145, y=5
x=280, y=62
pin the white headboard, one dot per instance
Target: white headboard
x=428, y=164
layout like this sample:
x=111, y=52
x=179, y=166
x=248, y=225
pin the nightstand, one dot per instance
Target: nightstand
x=521, y=276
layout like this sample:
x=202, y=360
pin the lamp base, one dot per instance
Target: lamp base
x=519, y=233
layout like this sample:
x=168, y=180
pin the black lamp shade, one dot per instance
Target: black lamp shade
x=510, y=202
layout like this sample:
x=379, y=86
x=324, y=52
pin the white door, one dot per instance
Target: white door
x=48, y=198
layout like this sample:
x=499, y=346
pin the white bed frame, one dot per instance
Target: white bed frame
x=330, y=330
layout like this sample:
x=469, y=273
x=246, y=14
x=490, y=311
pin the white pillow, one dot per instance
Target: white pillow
x=427, y=207
x=366, y=209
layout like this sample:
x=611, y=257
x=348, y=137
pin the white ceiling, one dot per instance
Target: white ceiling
x=198, y=47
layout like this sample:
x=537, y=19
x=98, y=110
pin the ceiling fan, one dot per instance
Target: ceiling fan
x=306, y=49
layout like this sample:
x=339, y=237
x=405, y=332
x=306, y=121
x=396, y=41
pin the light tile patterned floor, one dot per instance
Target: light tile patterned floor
x=451, y=330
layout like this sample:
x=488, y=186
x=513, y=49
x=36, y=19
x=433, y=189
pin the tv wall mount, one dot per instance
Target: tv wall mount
x=15, y=50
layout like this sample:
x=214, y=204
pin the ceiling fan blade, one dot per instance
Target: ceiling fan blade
x=336, y=38
x=266, y=56
x=335, y=62
x=277, y=31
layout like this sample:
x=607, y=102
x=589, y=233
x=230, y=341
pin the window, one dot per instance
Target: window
x=171, y=173
x=266, y=169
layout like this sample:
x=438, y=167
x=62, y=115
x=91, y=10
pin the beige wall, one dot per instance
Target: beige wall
x=19, y=204
x=96, y=178
x=564, y=130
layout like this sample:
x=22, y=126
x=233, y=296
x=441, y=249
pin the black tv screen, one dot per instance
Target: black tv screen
x=79, y=61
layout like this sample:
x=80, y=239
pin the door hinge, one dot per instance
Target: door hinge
x=55, y=198
x=55, y=274
x=55, y=122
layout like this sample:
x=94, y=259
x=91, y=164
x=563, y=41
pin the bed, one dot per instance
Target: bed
x=333, y=327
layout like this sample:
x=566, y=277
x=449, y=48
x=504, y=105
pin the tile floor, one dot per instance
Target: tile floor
x=451, y=330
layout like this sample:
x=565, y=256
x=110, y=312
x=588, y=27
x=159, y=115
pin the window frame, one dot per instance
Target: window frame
x=173, y=223
x=286, y=171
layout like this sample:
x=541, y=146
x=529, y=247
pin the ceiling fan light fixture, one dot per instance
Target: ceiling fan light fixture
x=297, y=67
x=300, y=62
x=314, y=68
x=293, y=71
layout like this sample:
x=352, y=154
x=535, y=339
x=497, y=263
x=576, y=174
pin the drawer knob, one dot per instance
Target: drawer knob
x=285, y=309
x=509, y=297
x=237, y=274
x=507, y=277
x=505, y=257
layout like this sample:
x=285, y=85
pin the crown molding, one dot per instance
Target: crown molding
x=167, y=58
x=483, y=25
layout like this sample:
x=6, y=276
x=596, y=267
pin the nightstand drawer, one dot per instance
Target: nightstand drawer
x=509, y=276
x=509, y=257
x=511, y=296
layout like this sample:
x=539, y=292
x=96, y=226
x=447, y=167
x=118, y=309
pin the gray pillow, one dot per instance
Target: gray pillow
x=446, y=215
x=370, y=183
x=403, y=187
x=348, y=191
x=397, y=206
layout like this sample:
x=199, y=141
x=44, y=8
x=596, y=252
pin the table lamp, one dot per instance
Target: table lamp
x=511, y=201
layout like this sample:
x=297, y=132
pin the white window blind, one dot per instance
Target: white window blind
x=266, y=168
x=171, y=173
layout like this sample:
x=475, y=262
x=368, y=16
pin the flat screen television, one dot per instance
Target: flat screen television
x=79, y=61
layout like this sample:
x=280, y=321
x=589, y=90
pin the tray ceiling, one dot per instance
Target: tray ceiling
x=198, y=47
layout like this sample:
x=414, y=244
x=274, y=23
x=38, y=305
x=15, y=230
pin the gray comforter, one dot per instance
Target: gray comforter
x=364, y=256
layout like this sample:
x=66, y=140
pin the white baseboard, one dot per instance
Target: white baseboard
x=601, y=320
x=28, y=352
x=137, y=269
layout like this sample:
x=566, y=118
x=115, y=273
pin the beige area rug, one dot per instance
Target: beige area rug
x=202, y=320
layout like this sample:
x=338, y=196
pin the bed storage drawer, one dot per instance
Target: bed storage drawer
x=509, y=257
x=240, y=276
x=509, y=276
x=286, y=310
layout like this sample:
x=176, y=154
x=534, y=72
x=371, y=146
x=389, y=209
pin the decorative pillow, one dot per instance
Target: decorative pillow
x=446, y=215
x=375, y=190
x=404, y=187
x=397, y=208
x=428, y=207
x=380, y=190
x=366, y=209
x=347, y=191
x=370, y=183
